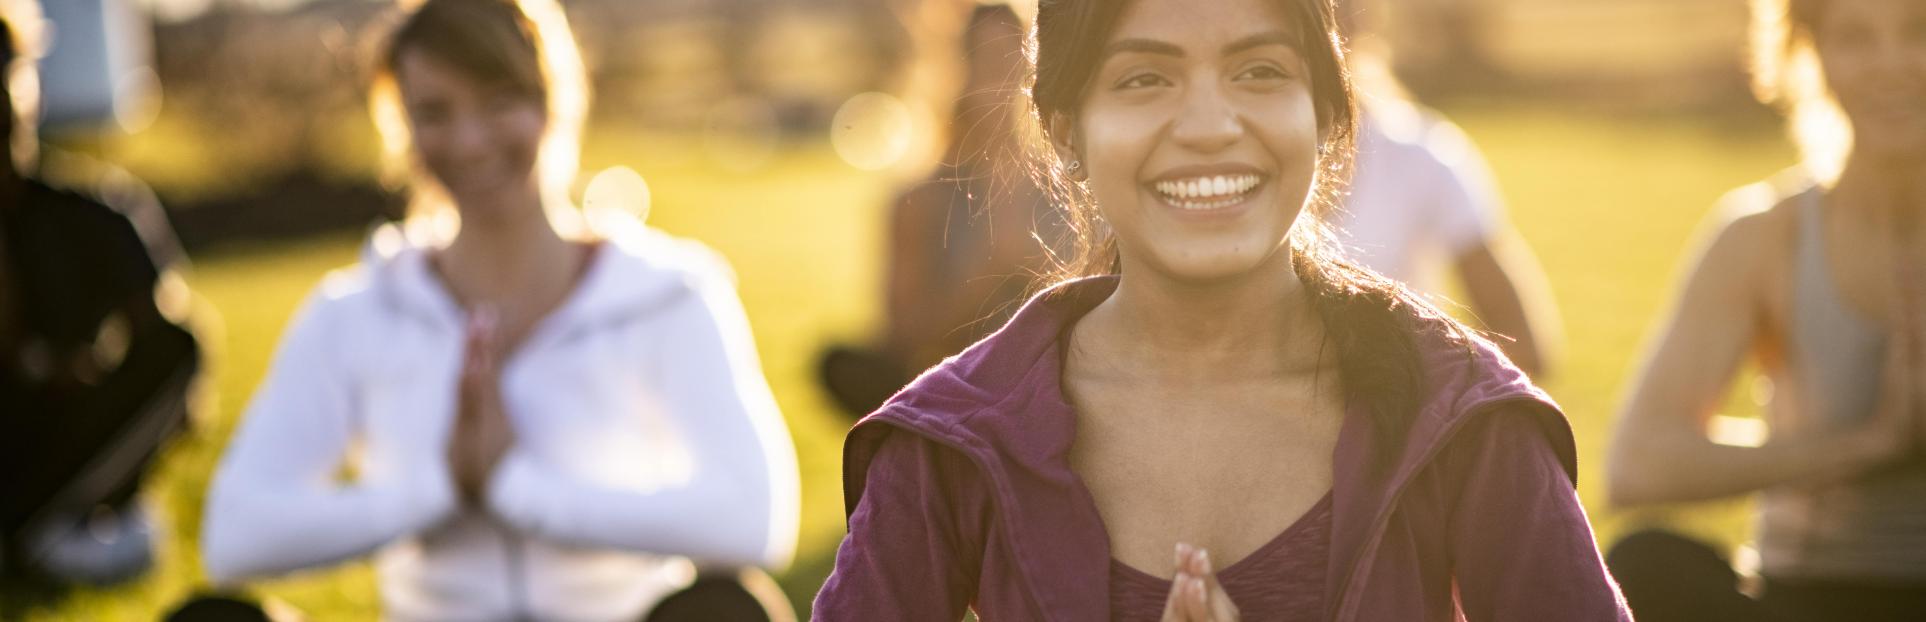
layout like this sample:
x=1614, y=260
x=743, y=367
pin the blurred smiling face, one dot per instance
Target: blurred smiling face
x=479, y=140
x=1199, y=136
x=1874, y=53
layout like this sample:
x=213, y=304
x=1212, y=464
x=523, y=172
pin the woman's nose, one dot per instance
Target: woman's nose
x=470, y=133
x=1207, y=122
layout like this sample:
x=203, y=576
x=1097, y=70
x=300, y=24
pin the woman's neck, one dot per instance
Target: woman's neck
x=496, y=258
x=1249, y=326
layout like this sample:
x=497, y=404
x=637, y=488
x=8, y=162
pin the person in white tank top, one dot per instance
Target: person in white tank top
x=1823, y=287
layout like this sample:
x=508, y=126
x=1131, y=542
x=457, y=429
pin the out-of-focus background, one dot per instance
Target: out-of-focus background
x=776, y=131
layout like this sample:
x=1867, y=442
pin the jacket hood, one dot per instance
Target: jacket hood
x=634, y=270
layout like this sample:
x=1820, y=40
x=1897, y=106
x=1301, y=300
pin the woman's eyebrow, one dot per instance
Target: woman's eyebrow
x=1143, y=46
x=1269, y=37
x=1161, y=48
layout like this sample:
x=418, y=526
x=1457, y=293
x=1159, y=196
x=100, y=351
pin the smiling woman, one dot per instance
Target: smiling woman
x=1210, y=380
x=552, y=424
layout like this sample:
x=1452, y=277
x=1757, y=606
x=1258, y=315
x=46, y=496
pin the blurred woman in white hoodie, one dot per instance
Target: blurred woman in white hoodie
x=543, y=424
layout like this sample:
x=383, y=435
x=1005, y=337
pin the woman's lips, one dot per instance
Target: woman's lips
x=1202, y=193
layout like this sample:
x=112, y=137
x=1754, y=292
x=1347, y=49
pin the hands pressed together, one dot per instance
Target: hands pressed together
x=481, y=434
x=1195, y=594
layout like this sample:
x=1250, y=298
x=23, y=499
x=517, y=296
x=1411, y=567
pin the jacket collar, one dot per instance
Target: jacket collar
x=635, y=271
x=1000, y=402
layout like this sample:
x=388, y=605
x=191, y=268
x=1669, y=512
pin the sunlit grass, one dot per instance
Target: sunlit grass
x=1607, y=202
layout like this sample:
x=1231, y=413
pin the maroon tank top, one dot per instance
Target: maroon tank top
x=1282, y=580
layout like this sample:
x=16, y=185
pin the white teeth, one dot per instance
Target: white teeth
x=1208, y=192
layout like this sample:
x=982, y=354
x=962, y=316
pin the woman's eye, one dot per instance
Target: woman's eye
x=502, y=102
x=1141, y=80
x=1263, y=72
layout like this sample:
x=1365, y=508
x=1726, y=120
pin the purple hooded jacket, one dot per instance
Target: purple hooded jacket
x=960, y=494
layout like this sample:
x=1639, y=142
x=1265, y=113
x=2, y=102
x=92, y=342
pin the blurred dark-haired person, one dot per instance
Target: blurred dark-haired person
x=1819, y=277
x=94, y=377
x=1214, y=415
x=967, y=243
x=1422, y=205
x=542, y=420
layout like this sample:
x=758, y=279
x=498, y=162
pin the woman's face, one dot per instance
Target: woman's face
x=1874, y=54
x=1199, y=137
x=480, y=141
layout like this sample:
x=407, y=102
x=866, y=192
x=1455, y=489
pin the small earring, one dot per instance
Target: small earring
x=1074, y=166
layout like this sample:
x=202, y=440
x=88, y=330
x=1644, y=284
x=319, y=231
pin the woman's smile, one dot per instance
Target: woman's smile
x=1208, y=190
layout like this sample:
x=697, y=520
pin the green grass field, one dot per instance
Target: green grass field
x=1608, y=201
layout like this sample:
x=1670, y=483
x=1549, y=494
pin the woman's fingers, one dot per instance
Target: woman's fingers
x=1213, y=602
x=472, y=440
x=479, y=355
x=1174, y=601
x=1174, y=608
x=1192, y=602
x=1197, y=603
x=1195, y=595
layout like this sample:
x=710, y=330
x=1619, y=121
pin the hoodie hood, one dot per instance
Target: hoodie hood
x=634, y=271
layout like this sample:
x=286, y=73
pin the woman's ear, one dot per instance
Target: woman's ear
x=1063, y=140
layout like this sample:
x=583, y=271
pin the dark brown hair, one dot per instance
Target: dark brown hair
x=490, y=41
x=1371, y=321
x=522, y=45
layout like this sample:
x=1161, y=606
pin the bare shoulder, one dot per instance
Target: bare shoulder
x=1751, y=232
x=1741, y=275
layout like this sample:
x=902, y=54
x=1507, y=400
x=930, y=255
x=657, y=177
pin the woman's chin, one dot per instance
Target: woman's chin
x=1219, y=267
x=490, y=200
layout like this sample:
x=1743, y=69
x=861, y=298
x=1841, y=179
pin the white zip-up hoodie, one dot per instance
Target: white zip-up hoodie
x=645, y=437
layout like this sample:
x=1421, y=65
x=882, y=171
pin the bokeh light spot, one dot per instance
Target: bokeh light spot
x=871, y=131
x=617, y=189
